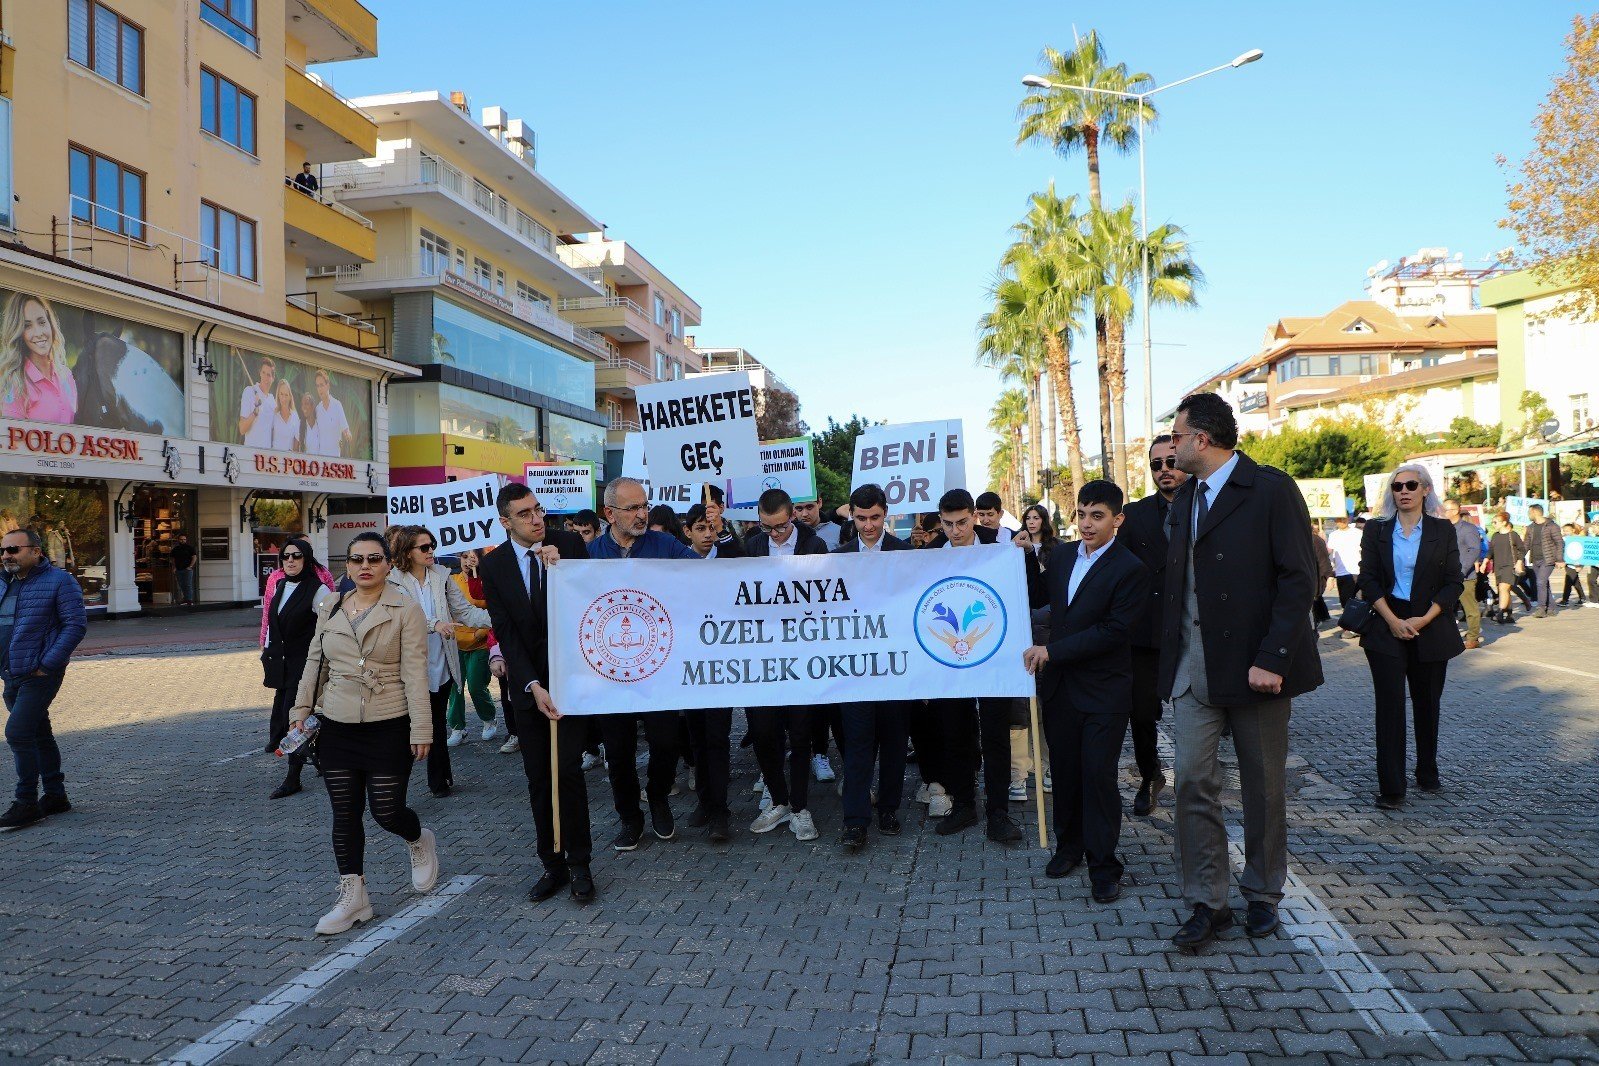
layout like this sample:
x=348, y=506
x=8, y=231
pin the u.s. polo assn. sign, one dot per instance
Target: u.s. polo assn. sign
x=659, y=635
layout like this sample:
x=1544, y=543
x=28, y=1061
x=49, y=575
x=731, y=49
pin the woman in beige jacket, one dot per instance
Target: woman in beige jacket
x=366, y=677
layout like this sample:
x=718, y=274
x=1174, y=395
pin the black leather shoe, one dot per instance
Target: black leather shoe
x=628, y=836
x=853, y=838
x=548, y=885
x=1386, y=802
x=956, y=820
x=20, y=814
x=1108, y=893
x=1061, y=864
x=1148, y=795
x=888, y=824
x=720, y=834
x=1426, y=786
x=1001, y=830
x=1202, y=928
x=661, y=823
x=697, y=818
x=442, y=791
x=291, y=785
x=1262, y=919
x=55, y=804
x=582, y=884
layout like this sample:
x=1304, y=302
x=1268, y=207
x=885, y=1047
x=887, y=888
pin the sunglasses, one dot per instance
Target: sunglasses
x=366, y=560
x=1406, y=486
x=425, y=547
x=13, y=549
x=1169, y=463
x=292, y=555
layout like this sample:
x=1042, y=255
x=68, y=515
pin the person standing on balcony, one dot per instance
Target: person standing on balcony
x=306, y=181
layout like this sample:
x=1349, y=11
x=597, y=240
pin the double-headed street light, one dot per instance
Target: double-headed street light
x=1036, y=81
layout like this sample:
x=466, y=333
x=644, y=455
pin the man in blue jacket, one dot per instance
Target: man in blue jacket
x=41, y=622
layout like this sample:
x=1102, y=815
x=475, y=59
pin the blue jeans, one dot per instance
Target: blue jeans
x=1541, y=572
x=33, y=745
x=185, y=585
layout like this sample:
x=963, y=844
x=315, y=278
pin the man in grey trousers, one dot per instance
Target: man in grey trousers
x=1237, y=644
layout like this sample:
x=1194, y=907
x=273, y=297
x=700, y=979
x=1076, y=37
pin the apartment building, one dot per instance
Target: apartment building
x=1544, y=347
x=164, y=372
x=642, y=315
x=467, y=281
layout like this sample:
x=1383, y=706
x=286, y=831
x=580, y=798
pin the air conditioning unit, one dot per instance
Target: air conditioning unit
x=495, y=118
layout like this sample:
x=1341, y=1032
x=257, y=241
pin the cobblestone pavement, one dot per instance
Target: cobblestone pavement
x=175, y=899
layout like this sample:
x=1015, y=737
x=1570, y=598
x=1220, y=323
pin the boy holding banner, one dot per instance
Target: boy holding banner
x=710, y=729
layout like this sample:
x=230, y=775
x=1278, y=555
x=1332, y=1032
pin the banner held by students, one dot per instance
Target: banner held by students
x=915, y=463
x=701, y=428
x=785, y=464
x=460, y=514
x=561, y=488
x=655, y=635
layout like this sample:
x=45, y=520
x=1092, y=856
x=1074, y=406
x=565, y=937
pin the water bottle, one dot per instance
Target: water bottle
x=298, y=736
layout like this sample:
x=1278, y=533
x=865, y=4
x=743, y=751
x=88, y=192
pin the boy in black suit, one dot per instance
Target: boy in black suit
x=1096, y=590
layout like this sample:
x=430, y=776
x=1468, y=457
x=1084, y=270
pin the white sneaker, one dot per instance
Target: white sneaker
x=590, y=761
x=1048, y=785
x=766, y=799
x=803, y=826
x=770, y=819
x=938, y=802
x=491, y=730
x=760, y=785
x=821, y=769
x=455, y=738
x=693, y=780
x=922, y=794
x=424, y=862
x=514, y=744
x=1018, y=792
x=351, y=907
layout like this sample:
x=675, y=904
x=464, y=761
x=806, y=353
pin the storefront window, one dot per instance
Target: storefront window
x=428, y=408
x=273, y=518
x=571, y=439
x=472, y=343
x=159, y=515
x=70, y=518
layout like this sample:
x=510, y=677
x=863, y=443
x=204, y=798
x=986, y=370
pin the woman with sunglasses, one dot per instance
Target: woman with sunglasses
x=288, y=616
x=444, y=606
x=1410, y=574
x=366, y=678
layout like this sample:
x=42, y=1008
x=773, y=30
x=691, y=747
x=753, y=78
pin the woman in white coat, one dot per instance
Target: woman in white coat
x=444, y=605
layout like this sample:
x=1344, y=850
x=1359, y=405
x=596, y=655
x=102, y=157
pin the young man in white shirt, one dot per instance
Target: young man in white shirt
x=255, y=407
x=332, y=427
x=991, y=515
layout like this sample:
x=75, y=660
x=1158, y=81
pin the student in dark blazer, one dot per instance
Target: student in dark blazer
x=516, y=592
x=1410, y=574
x=1144, y=532
x=874, y=730
x=1097, y=592
x=710, y=728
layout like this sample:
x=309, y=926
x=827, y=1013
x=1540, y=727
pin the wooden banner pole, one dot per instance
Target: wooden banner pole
x=555, y=783
x=1038, y=774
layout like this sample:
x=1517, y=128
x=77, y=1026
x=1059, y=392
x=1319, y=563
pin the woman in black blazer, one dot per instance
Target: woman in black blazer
x=1410, y=574
x=290, y=624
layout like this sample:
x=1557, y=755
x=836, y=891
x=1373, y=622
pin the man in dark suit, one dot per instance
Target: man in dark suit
x=1097, y=591
x=710, y=728
x=515, y=592
x=1236, y=646
x=1144, y=532
x=874, y=730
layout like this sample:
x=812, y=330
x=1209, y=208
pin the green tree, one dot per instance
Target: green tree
x=833, y=451
x=1008, y=419
x=1467, y=433
x=1332, y=449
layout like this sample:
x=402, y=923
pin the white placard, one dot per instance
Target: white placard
x=639, y=635
x=786, y=464
x=1376, y=490
x=1324, y=497
x=459, y=514
x=915, y=463
x=700, y=428
x=679, y=496
x=561, y=488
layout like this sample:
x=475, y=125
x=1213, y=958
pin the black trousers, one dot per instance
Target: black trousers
x=775, y=729
x=439, y=774
x=874, y=734
x=1145, y=711
x=1318, y=606
x=710, y=738
x=1085, y=752
x=577, y=845
x=969, y=728
x=923, y=733
x=1389, y=676
x=282, y=703
x=620, y=733
x=825, y=718
x=1346, y=589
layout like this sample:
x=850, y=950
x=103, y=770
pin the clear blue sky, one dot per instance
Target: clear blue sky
x=834, y=181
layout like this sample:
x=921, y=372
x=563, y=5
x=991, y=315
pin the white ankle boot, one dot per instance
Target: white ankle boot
x=352, y=906
x=424, y=862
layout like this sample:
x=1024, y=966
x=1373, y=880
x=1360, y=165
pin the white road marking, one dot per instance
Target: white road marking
x=236, y=758
x=243, y=1026
x=1539, y=665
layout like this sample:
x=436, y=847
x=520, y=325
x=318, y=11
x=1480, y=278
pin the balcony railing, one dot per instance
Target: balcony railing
x=368, y=337
x=615, y=360
x=105, y=239
x=354, y=216
x=322, y=83
x=629, y=425
x=596, y=303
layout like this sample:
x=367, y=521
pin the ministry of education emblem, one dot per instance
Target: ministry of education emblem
x=626, y=635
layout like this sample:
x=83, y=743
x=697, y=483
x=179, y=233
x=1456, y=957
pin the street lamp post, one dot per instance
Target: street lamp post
x=1035, y=81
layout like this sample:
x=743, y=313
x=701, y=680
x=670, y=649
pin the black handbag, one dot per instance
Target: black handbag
x=271, y=667
x=1358, y=616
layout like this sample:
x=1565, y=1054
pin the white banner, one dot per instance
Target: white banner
x=561, y=488
x=662, y=635
x=459, y=514
x=915, y=463
x=1324, y=497
x=787, y=465
x=700, y=428
x=679, y=496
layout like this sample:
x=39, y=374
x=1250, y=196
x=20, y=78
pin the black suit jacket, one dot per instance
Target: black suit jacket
x=1255, y=575
x=1090, y=640
x=890, y=543
x=759, y=546
x=521, y=622
x=1143, y=533
x=1436, y=580
x=729, y=546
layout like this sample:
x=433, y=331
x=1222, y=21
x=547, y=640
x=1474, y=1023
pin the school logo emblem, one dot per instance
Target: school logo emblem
x=626, y=635
x=960, y=622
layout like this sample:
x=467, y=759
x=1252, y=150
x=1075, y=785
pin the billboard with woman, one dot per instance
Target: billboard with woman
x=263, y=401
x=72, y=366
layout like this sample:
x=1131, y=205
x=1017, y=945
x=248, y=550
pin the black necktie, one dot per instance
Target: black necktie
x=535, y=576
x=1202, y=506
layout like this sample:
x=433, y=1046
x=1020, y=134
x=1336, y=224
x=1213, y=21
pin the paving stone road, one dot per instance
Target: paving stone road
x=175, y=899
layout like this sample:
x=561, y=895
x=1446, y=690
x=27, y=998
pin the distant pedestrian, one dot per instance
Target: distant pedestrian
x=473, y=642
x=41, y=622
x=183, y=557
x=1410, y=573
x=1546, y=549
x=1324, y=574
x=1343, y=544
x=1505, y=552
x=1573, y=574
x=1469, y=539
x=290, y=615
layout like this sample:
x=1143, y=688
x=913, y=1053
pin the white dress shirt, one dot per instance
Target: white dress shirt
x=786, y=547
x=1085, y=562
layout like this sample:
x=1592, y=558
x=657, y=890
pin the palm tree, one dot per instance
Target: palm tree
x=1020, y=359
x=1008, y=418
x=1068, y=119
x=1002, y=471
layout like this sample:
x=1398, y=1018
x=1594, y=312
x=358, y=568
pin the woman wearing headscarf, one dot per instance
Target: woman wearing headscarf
x=288, y=619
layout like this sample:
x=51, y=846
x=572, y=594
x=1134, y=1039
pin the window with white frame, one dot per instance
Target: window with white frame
x=677, y=322
x=1581, y=417
x=660, y=310
x=530, y=294
x=663, y=366
x=435, y=253
x=482, y=273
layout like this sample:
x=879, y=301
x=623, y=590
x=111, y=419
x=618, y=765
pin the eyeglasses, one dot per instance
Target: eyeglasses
x=778, y=530
x=13, y=549
x=1406, y=486
x=292, y=555
x=425, y=547
x=635, y=509
x=365, y=560
x=1169, y=463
